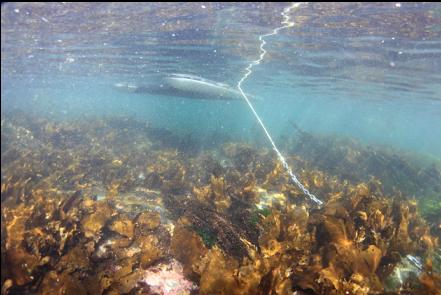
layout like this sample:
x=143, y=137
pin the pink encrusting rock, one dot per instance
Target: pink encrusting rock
x=168, y=279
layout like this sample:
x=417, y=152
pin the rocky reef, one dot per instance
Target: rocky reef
x=115, y=206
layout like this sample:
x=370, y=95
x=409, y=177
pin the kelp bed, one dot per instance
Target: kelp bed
x=111, y=206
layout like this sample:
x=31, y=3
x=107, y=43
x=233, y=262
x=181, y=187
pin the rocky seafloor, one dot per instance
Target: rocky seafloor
x=116, y=206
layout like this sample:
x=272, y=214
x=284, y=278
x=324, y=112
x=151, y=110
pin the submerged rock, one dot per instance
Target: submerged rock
x=404, y=272
x=93, y=224
x=168, y=279
x=123, y=226
x=101, y=214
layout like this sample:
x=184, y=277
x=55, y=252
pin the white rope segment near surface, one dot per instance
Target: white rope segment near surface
x=286, y=23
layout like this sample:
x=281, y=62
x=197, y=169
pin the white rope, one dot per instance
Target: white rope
x=286, y=23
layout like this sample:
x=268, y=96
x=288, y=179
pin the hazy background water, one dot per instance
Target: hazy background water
x=368, y=71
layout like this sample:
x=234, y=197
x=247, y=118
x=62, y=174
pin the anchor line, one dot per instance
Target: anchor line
x=286, y=23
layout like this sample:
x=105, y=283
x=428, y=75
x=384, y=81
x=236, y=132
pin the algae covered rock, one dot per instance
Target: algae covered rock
x=123, y=226
x=93, y=224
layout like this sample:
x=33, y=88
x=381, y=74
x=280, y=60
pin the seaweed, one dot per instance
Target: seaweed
x=86, y=211
x=207, y=236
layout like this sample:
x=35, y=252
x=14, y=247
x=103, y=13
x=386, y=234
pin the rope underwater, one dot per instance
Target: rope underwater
x=286, y=23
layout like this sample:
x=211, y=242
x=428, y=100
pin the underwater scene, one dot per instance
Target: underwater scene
x=221, y=148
